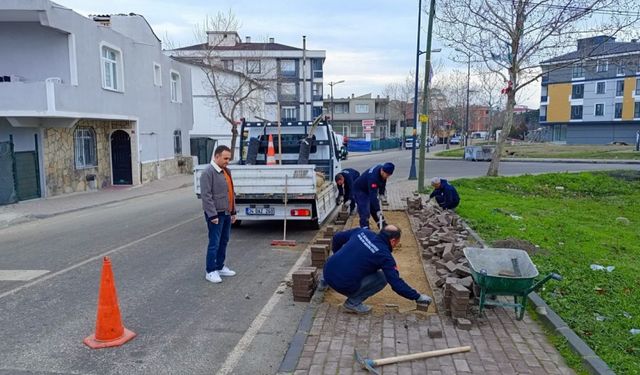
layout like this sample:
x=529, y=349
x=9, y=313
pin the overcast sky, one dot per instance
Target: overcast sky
x=368, y=43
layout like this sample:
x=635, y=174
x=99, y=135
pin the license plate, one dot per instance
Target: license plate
x=261, y=211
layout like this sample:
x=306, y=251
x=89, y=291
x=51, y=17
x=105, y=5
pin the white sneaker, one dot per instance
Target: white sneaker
x=225, y=271
x=214, y=277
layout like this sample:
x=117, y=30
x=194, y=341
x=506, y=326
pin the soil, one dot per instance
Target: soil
x=408, y=259
x=516, y=243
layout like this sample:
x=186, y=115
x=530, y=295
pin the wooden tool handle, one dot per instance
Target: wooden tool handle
x=411, y=357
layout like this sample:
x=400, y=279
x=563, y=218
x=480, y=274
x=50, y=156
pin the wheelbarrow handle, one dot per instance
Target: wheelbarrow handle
x=537, y=285
x=557, y=277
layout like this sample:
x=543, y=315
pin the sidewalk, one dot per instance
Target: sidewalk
x=499, y=344
x=46, y=207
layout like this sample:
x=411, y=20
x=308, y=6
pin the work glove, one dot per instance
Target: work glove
x=338, y=200
x=346, y=203
x=424, y=300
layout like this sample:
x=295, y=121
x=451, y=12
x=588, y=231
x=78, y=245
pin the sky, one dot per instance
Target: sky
x=368, y=44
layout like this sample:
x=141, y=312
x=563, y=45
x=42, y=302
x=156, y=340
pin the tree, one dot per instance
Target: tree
x=512, y=37
x=400, y=94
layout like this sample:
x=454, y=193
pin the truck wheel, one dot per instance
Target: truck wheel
x=237, y=223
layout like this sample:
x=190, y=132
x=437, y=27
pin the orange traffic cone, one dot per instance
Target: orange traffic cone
x=271, y=152
x=109, y=328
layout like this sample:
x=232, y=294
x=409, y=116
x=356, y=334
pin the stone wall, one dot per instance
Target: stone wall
x=61, y=174
x=178, y=165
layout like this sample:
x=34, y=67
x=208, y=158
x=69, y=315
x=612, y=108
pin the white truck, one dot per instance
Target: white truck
x=307, y=178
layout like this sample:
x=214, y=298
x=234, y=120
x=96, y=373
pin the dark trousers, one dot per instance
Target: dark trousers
x=218, y=239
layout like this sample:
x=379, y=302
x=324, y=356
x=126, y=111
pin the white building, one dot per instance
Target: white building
x=290, y=77
x=86, y=103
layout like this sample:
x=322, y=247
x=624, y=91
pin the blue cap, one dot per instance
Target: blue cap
x=388, y=168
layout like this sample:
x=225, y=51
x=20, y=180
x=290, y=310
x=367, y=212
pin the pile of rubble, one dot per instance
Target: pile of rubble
x=442, y=238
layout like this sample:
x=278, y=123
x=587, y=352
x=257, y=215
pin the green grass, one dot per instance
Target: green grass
x=554, y=151
x=577, y=225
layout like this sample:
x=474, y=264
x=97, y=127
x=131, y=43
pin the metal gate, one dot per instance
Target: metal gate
x=7, y=182
x=27, y=175
x=121, y=158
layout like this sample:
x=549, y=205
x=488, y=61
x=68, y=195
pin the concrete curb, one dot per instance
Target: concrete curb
x=594, y=364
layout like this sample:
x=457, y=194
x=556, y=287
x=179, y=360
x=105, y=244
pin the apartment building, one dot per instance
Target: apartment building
x=592, y=95
x=361, y=117
x=290, y=78
x=86, y=103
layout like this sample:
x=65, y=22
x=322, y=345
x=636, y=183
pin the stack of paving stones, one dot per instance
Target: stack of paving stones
x=321, y=250
x=305, y=280
x=343, y=216
x=442, y=238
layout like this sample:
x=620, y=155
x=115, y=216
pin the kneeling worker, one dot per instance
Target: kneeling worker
x=345, y=180
x=362, y=265
x=445, y=194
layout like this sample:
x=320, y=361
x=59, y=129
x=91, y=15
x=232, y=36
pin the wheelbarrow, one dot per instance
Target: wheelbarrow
x=504, y=272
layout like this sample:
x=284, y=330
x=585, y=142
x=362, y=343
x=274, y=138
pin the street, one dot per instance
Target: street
x=156, y=243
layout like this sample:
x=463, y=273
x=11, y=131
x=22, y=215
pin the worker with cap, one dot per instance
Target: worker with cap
x=345, y=180
x=367, y=187
x=445, y=194
x=362, y=265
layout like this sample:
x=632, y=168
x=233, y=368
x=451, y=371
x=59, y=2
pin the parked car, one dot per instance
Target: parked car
x=455, y=140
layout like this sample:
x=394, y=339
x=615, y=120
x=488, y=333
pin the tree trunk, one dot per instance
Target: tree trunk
x=506, y=129
x=234, y=138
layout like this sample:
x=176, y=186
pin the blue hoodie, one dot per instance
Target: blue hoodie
x=358, y=253
x=446, y=195
x=346, y=190
x=369, y=184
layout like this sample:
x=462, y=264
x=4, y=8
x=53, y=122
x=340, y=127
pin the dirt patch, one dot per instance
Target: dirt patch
x=409, y=262
x=516, y=243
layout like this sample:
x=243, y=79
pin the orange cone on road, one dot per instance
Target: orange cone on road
x=271, y=152
x=109, y=328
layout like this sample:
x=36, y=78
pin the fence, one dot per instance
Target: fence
x=361, y=145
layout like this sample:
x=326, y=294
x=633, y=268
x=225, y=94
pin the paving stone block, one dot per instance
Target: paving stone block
x=434, y=333
x=463, y=323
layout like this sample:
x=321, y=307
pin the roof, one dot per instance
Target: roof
x=243, y=47
x=604, y=49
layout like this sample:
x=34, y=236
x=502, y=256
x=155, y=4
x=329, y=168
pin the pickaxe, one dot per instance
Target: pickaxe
x=369, y=364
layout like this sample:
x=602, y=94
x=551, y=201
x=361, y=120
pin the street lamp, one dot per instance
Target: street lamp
x=331, y=84
x=412, y=169
x=466, y=121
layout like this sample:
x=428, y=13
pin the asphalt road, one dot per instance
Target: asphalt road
x=451, y=169
x=184, y=323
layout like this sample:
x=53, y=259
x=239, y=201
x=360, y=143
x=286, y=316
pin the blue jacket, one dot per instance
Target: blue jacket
x=446, y=195
x=371, y=183
x=358, y=253
x=346, y=190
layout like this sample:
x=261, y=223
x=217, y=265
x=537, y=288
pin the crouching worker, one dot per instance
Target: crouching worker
x=445, y=194
x=362, y=265
x=344, y=181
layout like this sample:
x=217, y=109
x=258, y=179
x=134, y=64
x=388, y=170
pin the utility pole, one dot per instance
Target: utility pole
x=466, y=121
x=425, y=96
x=331, y=84
x=412, y=169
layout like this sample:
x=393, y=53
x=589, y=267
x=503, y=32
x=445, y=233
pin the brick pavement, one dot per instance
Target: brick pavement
x=499, y=343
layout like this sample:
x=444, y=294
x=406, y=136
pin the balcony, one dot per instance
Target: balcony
x=24, y=97
x=316, y=98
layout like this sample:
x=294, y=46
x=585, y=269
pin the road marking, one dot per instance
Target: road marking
x=241, y=347
x=52, y=275
x=20, y=275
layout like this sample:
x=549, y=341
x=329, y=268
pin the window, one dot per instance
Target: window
x=578, y=70
x=227, y=64
x=362, y=108
x=599, y=110
x=317, y=91
x=576, y=112
x=176, y=89
x=618, y=111
x=601, y=87
x=288, y=91
x=177, y=142
x=637, y=86
x=577, y=91
x=636, y=110
x=288, y=114
x=253, y=66
x=620, y=70
x=341, y=108
x=288, y=68
x=619, y=88
x=316, y=67
x=85, y=147
x=602, y=66
x=111, y=65
x=317, y=111
x=157, y=74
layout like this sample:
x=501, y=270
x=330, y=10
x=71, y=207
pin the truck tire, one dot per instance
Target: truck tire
x=252, y=151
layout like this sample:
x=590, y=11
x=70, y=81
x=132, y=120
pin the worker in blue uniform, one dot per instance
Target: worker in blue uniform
x=345, y=180
x=445, y=194
x=367, y=187
x=362, y=265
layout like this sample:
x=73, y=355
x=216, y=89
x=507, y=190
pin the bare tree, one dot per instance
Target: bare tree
x=489, y=93
x=512, y=37
x=400, y=94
